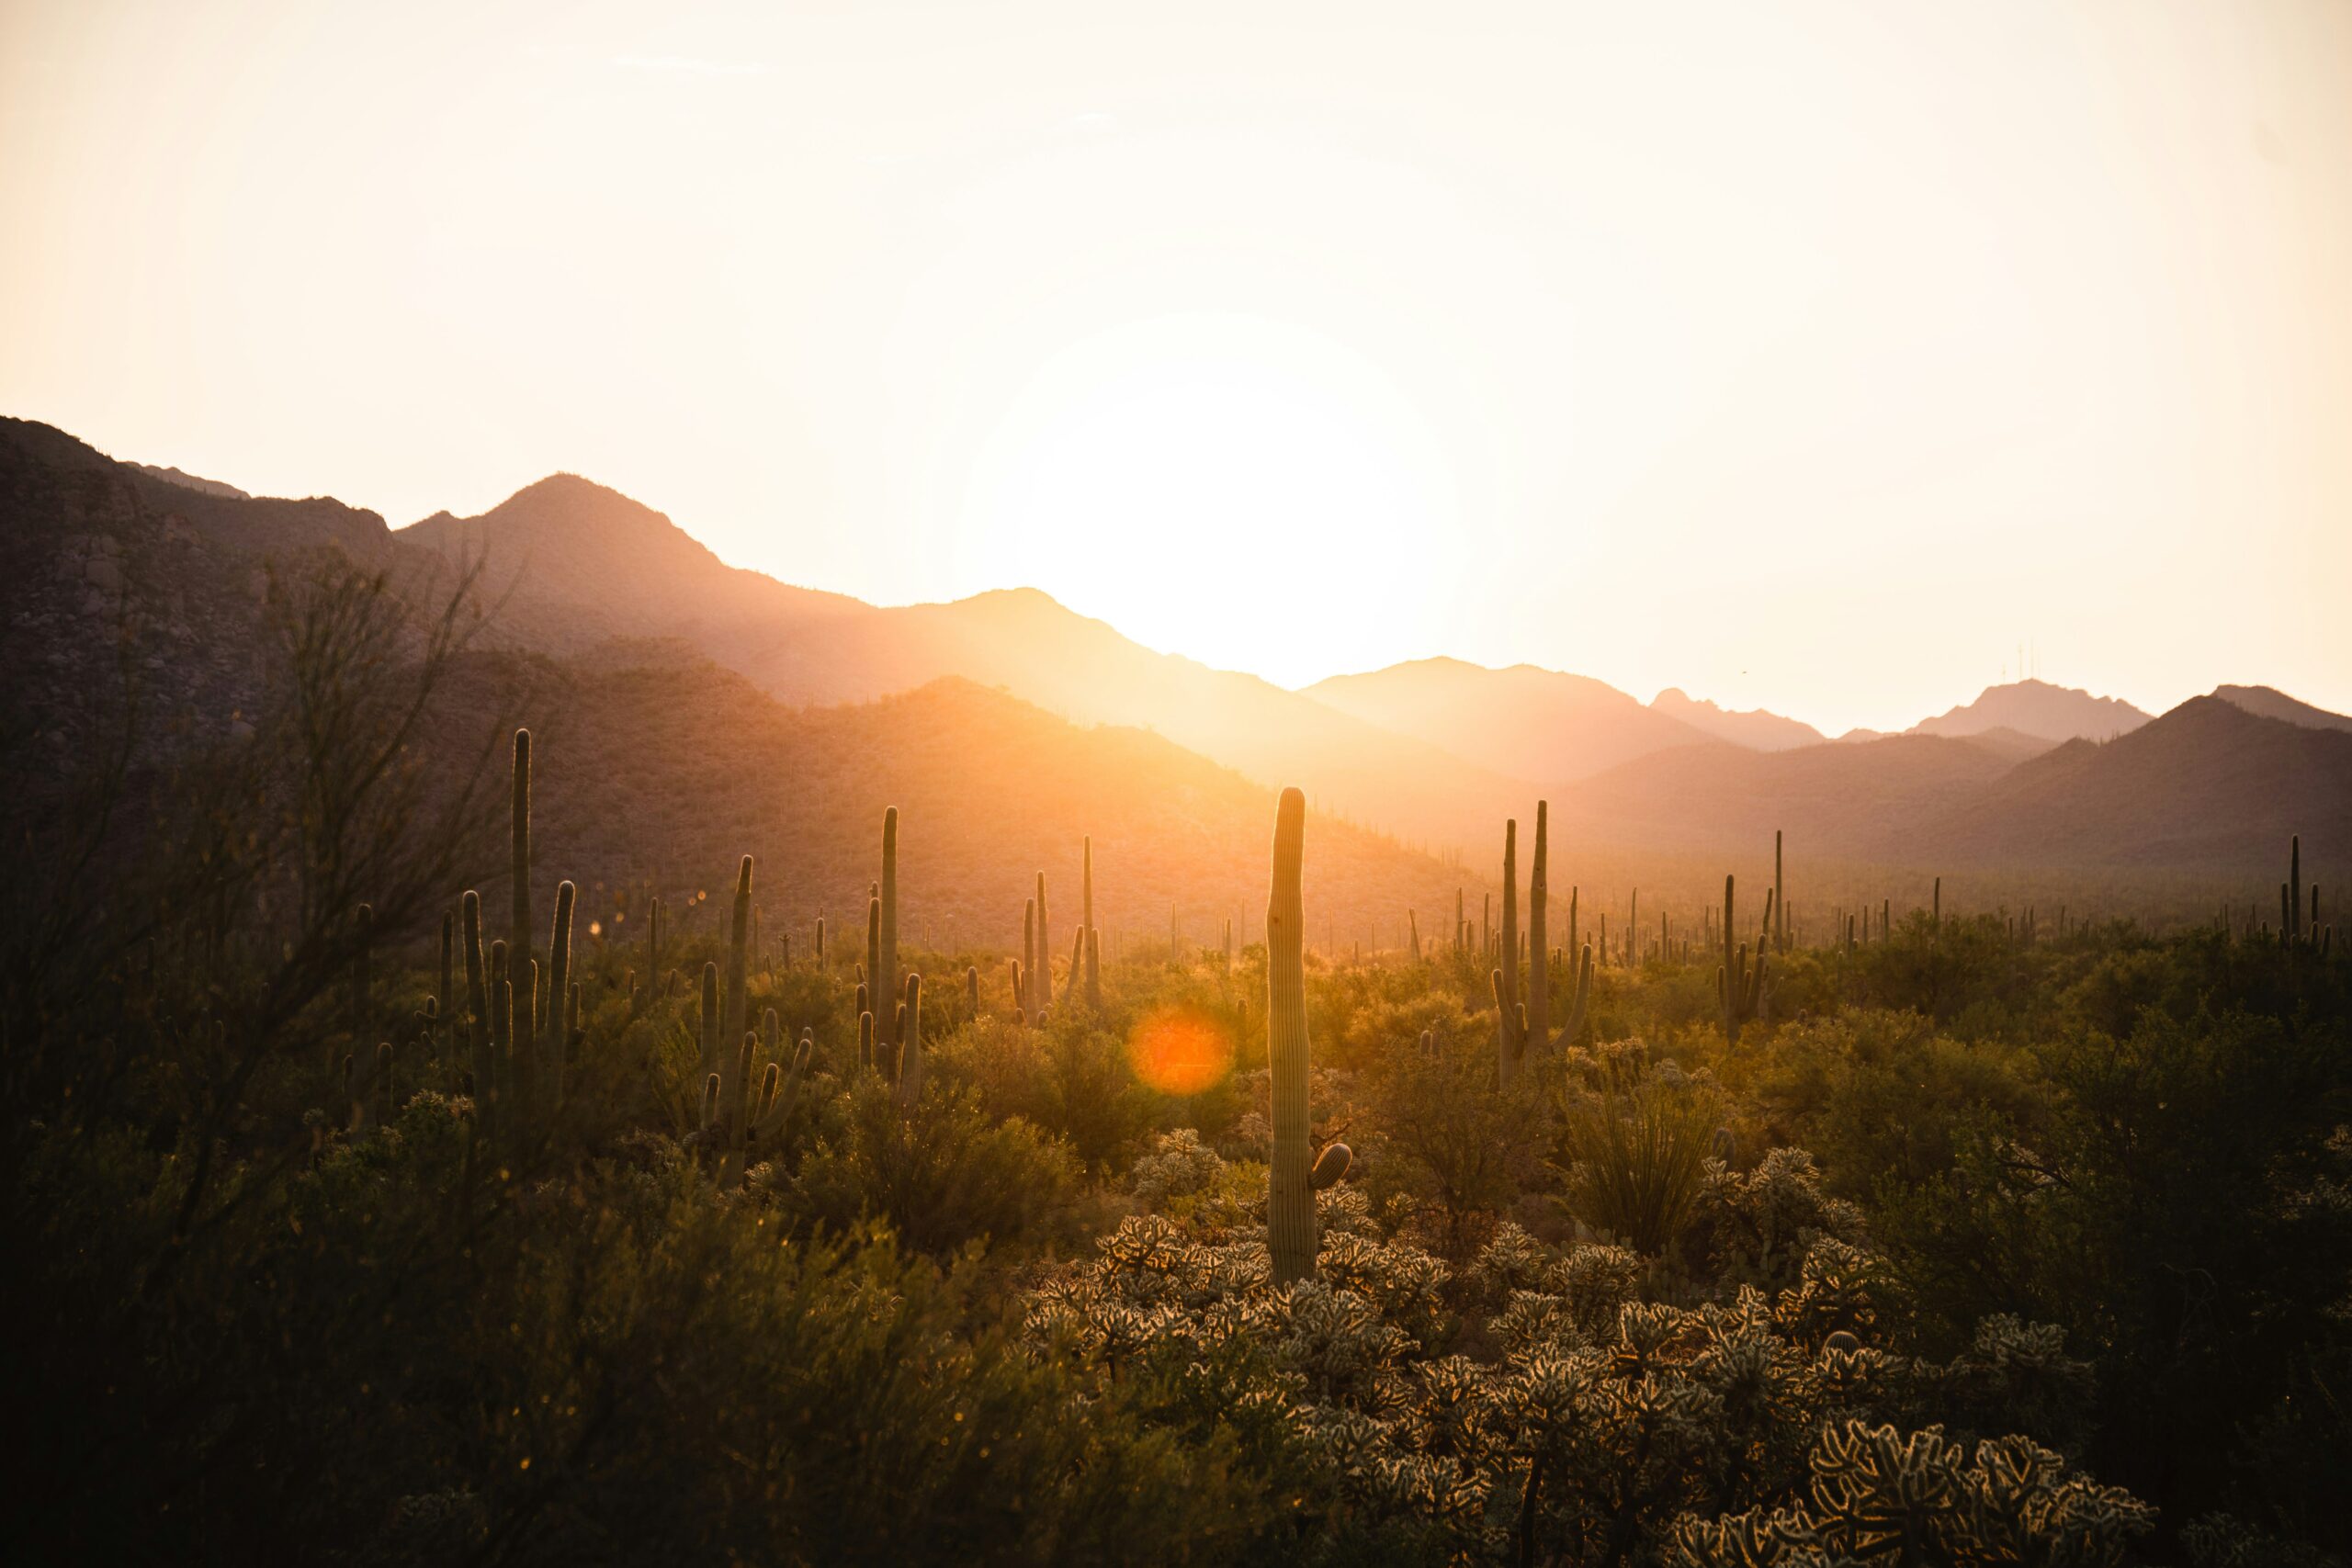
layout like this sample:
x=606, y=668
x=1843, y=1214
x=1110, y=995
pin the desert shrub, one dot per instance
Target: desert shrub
x=1449, y=1139
x=940, y=1177
x=1878, y=1095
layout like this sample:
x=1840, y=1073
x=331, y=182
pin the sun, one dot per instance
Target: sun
x=1245, y=490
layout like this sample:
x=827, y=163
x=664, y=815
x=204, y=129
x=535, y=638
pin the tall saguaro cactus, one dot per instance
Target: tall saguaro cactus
x=733, y=1019
x=557, y=1045
x=1738, y=988
x=1510, y=1034
x=519, y=941
x=1539, y=956
x=478, y=1042
x=1779, y=900
x=1041, y=980
x=887, y=976
x=1290, y=1200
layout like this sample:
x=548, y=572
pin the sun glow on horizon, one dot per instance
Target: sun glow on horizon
x=1801, y=357
x=1237, y=488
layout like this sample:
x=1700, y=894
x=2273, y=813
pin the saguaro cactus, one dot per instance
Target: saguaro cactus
x=1024, y=986
x=1779, y=900
x=1510, y=1029
x=1041, y=979
x=1740, y=988
x=483, y=1058
x=519, y=939
x=734, y=1019
x=1539, y=967
x=1290, y=1195
x=1578, y=999
x=887, y=973
x=911, y=1044
x=555, y=1046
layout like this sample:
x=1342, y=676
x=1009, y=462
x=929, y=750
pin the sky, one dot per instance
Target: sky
x=1812, y=355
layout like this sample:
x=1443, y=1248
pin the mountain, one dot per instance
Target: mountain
x=1523, y=722
x=2208, y=785
x=628, y=787
x=1836, y=799
x=2270, y=702
x=573, y=564
x=189, y=482
x=1752, y=727
x=2037, y=708
x=654, y=761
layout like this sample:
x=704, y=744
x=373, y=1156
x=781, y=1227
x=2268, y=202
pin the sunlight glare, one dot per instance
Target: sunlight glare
x=1204, y=482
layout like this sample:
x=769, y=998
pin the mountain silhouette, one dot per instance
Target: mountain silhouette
x=117, y=573
x=1753, y=728
x=1523, y=722
x=2270, y=702
x=2038, y=709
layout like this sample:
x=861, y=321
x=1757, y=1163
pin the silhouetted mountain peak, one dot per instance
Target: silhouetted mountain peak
x=2271, y=702
x=2037, y=708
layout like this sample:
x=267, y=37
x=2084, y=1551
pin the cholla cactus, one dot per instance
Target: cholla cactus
x=1877, y=1494
x=1178, y=1167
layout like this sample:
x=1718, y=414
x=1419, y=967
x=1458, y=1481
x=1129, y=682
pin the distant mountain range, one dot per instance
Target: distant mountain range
x=1434, y=752
x=1753, y=728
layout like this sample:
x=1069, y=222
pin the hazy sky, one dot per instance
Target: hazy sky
x=1812, y=355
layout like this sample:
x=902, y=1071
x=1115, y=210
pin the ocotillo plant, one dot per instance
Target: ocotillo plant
x=1290, y=1195
x=519, y=939
x=1738, y=989
x=1094, y=970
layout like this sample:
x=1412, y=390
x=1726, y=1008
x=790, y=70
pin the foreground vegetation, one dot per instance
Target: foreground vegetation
x=353, y=1220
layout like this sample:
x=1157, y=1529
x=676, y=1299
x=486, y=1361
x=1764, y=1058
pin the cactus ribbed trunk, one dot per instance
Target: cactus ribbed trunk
x=485, y=1060
x=1290, y=1201
x=1086, y=919
x=1539, y=968
x=556, y=1043
x=1025, y=990
x=1041, y=980
x=910, y=1043
x=733, y=1018
x=1779, y=900
x=519, y=939
x=1508, y=1038
x=889, y=976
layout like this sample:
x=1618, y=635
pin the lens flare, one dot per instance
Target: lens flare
x=1181, y=1050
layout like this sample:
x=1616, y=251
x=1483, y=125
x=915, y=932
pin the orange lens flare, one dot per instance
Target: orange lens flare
x=1181, y=1050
